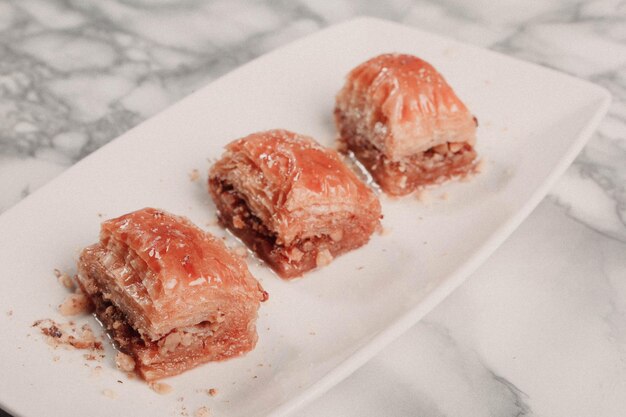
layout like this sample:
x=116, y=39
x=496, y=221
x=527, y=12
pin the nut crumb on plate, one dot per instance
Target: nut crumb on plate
x=92, y=357
x=64, y=279
x=202, y=412
x=194, y=175
x=160, y=387
x=74, y=304
x=124, y=362
x=241, y=251
x=109, y=393
x=422, y=195
x=480, y=166
x=212, y=392
x=384, y=231
x=68, y=335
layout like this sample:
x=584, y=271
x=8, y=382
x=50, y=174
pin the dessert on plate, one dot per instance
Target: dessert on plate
x=170, y=295
x=405, y=124
x=292, y=201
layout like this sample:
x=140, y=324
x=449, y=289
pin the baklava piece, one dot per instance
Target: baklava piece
x=292, y=201
x=404, y=123
x=170, y=295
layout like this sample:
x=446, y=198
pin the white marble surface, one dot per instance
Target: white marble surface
x=539, y=330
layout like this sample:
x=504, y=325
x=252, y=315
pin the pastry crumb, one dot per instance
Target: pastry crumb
x=92, y=357
x=422, y=195
x=212, y=392
x=124, y=362
x=202, y=412
x=480, y=166
x=241, y=251
x=10, y=313
x=74, y=304
x=64, y=279
x=109, y=393
x=56, y=358
x=194, y=175
x=384, y=231
x=160, y=387
x=213, y=222
x=445, y=196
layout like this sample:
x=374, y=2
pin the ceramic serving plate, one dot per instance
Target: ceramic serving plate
x=314, y=331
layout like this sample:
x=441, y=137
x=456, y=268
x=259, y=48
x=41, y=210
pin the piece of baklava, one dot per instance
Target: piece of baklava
x=404, y=123
x=170, y=295
x=292, y=201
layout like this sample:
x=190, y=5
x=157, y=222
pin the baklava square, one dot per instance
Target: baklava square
x=405, y=124
x=292, y=201
x=170, y=295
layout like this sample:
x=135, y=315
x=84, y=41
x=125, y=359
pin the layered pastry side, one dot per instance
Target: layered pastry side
x=292, y=201
x=170, y=295
x=405, y=124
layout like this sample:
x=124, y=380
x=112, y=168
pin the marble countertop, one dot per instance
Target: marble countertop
x=539, y=330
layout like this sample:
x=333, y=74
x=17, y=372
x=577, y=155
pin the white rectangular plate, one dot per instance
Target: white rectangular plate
x=314, y=331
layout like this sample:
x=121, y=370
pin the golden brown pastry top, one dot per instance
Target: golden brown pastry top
x=294, y=185
x=406, y=103
x=179, y=274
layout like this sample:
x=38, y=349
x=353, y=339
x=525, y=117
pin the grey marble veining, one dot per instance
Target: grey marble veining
x=76, y=74
x=539, y=330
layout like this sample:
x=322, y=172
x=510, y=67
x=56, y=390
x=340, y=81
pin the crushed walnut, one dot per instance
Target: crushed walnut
x=336, y=235
x=323, y=258
x=295, y=254
x=212, y=392
x=455, y=146
x=74, y=304
x=124, y=362
x=160, y=387
x=169, y=343
x=238, y=223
